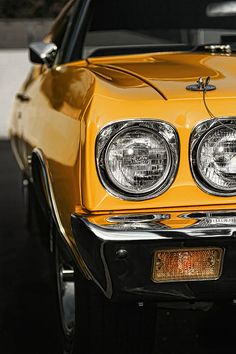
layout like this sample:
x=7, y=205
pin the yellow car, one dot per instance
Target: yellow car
x=125, y=132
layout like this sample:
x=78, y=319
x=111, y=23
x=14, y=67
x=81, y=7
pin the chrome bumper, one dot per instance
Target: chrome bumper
x=119, y=249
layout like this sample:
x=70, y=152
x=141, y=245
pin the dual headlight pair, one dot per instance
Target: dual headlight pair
x=138, y=159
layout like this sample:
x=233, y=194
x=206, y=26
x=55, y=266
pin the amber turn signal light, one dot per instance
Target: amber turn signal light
x=188, y=264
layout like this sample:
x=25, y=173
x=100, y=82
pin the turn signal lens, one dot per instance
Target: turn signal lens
x=187, y=264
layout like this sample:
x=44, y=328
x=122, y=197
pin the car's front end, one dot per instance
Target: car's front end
x=158, y=184
x=138, y=157
x=125, y=131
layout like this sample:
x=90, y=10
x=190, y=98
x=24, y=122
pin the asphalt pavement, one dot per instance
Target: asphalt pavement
x=27, y=297
x=27, y=294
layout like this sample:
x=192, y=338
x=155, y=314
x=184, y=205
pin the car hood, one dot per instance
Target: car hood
x=171, y=73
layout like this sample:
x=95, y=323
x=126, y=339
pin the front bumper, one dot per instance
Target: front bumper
x=119, y=250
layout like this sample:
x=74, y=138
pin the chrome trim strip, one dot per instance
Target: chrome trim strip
x=16, y=154
x=108, y=132
x=107, y=232
x=209, y=214
x=49, y=191
x=141, y=218
x=53, y=206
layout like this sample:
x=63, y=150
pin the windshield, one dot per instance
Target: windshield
x=148, y=25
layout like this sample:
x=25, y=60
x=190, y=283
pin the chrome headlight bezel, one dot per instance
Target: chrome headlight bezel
x=201, y=131
x=110, y=131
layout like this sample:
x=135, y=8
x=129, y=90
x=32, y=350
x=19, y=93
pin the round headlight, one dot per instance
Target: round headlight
x=137, y=160
x=213, y=156
x=216, y=156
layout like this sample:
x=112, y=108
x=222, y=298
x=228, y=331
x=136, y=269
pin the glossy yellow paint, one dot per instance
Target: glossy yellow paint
x=70, y=104
x=169, y=73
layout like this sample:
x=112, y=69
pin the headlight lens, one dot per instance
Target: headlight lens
x=214, y=158
x=137, y=160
